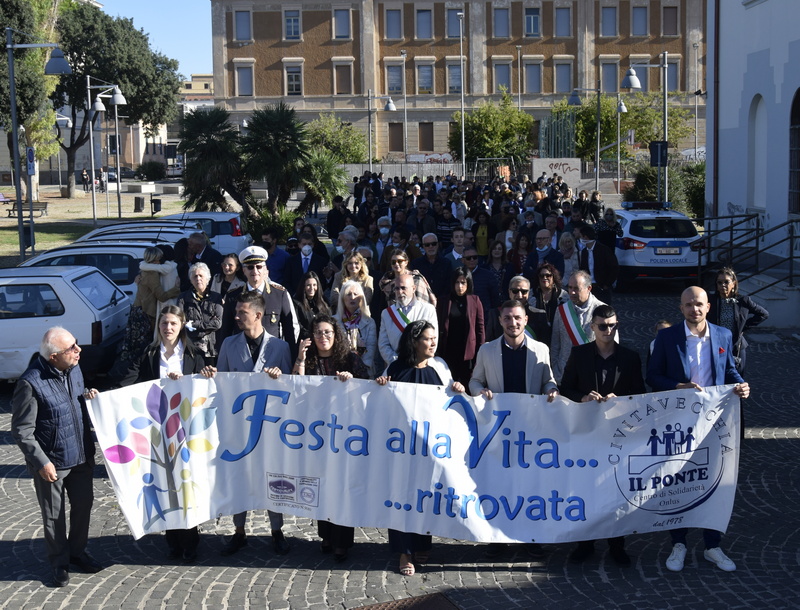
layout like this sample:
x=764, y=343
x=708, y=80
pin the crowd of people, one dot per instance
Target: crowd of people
x=483, y=288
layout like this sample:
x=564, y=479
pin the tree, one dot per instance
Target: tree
x=493, y=131
x=645, y=116
x=214, y=164
x=111, y=50
x=346, y=143
x=323, y=179
x=686, y=187
x=275, y=149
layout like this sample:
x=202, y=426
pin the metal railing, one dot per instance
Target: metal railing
x=744, y=244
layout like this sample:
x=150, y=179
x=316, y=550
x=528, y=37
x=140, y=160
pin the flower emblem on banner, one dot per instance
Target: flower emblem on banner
x=161, y=436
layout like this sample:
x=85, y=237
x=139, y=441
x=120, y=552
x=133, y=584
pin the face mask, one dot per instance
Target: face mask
x=340, y=249
x=545, y=249
x=395, y=244
x=384, y=231
x=268, y=245
x=585, y=242
x=306, y=250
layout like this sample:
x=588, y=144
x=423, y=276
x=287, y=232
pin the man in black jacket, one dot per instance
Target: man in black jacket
x=595, y=372
x=60, y=458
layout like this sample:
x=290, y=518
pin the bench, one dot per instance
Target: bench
x=38, y=206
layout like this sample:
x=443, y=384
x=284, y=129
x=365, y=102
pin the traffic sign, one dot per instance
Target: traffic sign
x=30, y=157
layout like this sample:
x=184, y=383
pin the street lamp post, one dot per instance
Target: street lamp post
x=68, y=124
x=696, y=47
x=519, y=77
x=405, y=110
x=389, y=107
x=575, y=100
x=55, y=65
x=112, y=91
x=461, y=63
x=631, y=81
x=620, y=110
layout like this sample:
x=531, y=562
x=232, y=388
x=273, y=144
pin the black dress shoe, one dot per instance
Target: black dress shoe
x=620, y=557
x=279, y=544
x=236, y=542
x=60, y=577
x=174, y=553
x=86, y=564
x=582, y=552
x=190, y=556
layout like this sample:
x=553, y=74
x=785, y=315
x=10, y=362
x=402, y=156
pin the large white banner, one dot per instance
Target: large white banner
x=417, y=458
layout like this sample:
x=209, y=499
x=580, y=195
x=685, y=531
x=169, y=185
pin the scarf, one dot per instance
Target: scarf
x=351, y=320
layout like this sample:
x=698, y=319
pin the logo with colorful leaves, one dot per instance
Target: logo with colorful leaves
x=159, y=440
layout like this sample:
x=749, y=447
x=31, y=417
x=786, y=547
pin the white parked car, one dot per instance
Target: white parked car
x=119, y=261
x=81, y=299
x=656, y=243
x=226, y=230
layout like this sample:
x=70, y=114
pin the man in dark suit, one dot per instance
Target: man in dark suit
x=200, y=251
x=543, y=253
x=307, y=260
x=599, y=262
x=595, y=372
x=695, y=354
x=536, y=327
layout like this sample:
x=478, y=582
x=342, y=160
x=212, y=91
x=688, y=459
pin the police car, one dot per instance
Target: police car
x=656, y=242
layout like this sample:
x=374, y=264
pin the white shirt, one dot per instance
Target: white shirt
x=698, y=350
x=173, y=364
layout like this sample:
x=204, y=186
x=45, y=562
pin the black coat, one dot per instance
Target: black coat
x=746, y=314
x=579, y=375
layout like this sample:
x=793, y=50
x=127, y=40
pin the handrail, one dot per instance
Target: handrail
x=738, y=236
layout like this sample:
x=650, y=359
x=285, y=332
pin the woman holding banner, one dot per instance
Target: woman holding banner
x=416, y=364
x=329, y=354
x=172, y=355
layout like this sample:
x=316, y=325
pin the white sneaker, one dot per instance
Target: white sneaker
x=716, y=556
x=677, y=557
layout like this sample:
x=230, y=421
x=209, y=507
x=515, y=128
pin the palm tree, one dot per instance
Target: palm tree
x=214, y=166
x=323, y=179
x=275, y=149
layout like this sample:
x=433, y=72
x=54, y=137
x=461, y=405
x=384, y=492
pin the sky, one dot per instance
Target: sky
x=180, y=29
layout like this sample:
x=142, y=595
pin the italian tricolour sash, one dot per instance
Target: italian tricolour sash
x=572, y=323
x=398, y=317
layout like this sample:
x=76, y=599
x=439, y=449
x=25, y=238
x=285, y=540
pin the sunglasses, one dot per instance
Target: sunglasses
x=398, y=261
x=74, y=348
x=545, y=276
x=431, y=244
x=519, y=291
x=469, y=258
x=605, y=327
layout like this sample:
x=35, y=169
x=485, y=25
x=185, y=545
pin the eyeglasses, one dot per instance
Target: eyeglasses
x=398, y=261
x=431, y=244
x=470, y=258
x=74, y=348
x=605, y=327
x=545, y=276
x=251, y=267
x=519, y=291
x=323, y=333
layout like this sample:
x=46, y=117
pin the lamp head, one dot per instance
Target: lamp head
x=98, y=105
x=631, y=81
x=574, y=99
x=57, y=64
x=390, y=107
x=117, y=99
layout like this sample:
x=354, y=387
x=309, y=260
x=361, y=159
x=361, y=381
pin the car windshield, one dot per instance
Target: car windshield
x=672, y=228
x=98, y=290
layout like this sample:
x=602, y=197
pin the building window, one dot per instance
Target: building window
x=502, y=77
x=396, y=138
x=424, y=27
x=394, y=24
x=187, y=85
x=291, y=24
x=669, y=24
x=453, y=30
x=394, y=80
x=609, y=77
x=502, y=28
x=794, y=155
x=673, y=81
x=608, y=21
x=341, y=24
x=426, y=137
x=343, y=75
x=294, y=80
x=425, y=79
x=563, y=22
x=639, y=25
x=242, y=30
x=533, y=78
x=563, y=78
x=244, y=81
x=454, y=78
x=533, y=28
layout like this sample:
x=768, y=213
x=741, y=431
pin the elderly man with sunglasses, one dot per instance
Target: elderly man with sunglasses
x=50, y=423
x=595, y=372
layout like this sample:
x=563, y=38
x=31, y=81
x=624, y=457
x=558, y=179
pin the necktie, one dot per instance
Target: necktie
x=305, y=264
x=584, y=266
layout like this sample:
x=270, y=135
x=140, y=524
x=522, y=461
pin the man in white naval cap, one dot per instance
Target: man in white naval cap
x=280, y=319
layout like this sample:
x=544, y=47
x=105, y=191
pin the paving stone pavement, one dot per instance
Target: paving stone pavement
x=763, y=538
